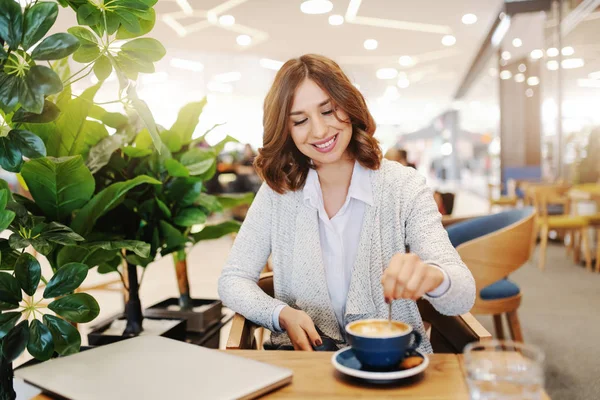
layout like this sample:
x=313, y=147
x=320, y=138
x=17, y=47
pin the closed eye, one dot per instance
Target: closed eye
x=296, y=123
x=327, y=112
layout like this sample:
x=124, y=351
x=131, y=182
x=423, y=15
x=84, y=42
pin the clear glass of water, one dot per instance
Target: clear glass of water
x=504, y=370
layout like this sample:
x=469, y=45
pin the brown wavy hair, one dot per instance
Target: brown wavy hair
x=279, y=162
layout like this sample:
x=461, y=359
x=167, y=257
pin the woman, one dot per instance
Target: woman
x=337, y=221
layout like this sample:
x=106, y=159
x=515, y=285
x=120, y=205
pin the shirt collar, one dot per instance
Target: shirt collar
x=360, y=186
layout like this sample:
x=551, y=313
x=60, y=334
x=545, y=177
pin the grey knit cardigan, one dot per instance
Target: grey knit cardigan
x=283, y=226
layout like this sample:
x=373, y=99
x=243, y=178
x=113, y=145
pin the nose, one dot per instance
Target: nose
x=319, y=127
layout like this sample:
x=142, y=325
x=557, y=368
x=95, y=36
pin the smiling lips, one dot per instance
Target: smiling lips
x=326, y=145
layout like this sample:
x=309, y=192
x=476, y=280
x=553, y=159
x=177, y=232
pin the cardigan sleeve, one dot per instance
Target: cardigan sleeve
x=238, y=287
x=427, y=238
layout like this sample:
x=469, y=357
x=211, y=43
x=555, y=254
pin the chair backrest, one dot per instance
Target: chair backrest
x=541, y=195
x=495, y=245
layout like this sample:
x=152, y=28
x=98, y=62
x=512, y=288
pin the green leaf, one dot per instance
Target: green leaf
x=112, y=119
x=134, y=152
x=171, y=140
x=102, y=68
x=147, y=19
x=4, y=194
x=10, y=87
x=17, y=242
x=38, y=21
x=28, y=272
x=30, y=97
x=11, y=23
x=89, y=15
x=140, y=248
x=218, y=148
x=6, y=218
x=66, y=279
x=84, y=35
x=78, y=307
x=31, y=145
x=85, y=255
x=190, y=217
x=59, y=185
x=61, y=67
x=176, y=169
x=211, y=203
x=15, y=341
x=172, y=235
x=61, y=234
x=11, y=158
x=184, y=191
x=201, y=167
x=146, y=48
x=8, y=321
x=44, y=80
x=233, y=200
x=144, y=112
x=216, y=231
x=94, y=133
x=42, y=246
x=65, y=336
x=86, y=53
x=105, y=201
x=187, y=120
x=143, y=140
x=40, y=344
x=129, y=21
x=56, y=46
x=10, y=291
x=48, y=114
x=163, y=207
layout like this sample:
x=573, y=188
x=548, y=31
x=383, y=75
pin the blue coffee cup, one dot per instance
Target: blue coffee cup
x=377, y=347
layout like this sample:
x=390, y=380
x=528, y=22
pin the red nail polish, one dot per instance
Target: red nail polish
x=319, y=342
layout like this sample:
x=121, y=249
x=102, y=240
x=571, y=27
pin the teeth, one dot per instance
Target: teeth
x=325, y=145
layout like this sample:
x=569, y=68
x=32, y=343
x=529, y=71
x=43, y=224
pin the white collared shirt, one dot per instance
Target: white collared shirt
x=340, y=237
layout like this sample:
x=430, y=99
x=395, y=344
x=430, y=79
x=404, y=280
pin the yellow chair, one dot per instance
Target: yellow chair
x=502, y=201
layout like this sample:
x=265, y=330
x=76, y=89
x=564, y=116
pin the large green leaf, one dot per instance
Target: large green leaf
x=10, y=290
x=31, y=145
x=65, y=336
x=184, y=191
x=87, y=14
x=187, y=120
x=102, y=68
x=216, y=231
x=15, y=341
x=43, y=80
x=112, y=119
x=44, y=131
x=40, y=344
x=6, y=218
x=28, y=272
x=38, y=21
x=8, y=255
x=147, y=49
x=233, y=200
x=65, y=280
x=105, y=201
x=30, y=97
x=78, y=307
x=86, y=53
x=11, y=23
x=134, y=152
x=11, y=158
x=172, y=141
x=190, y=217
x=84, y=35
x=138, y=247
x=173, y=237
x=129, y=21
x=8, y=321
x=10, y=86
x=147, y=20
x=218, y=148
x=89, y=256
x=144, y=112
x=176, y=169
x=61, y=234
x=49, y=113
x=59, y=185
x=210, y=202
x=70, y=140
x=56, y=46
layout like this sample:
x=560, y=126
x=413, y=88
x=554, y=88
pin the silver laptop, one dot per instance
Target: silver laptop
x=154, y=368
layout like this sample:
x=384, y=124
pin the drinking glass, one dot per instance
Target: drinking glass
x=504, y=370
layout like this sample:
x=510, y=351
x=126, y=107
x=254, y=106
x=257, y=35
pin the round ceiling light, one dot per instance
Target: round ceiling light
x=406, y=61
x=506, y=74
x=370, y=44
x=226, y=20
x=469, y=19
x=316, y=6
x=552, y=65
x=567, y=51
x=517, y=42
x=336, y=20
x=243, y=40
x=506, y=55
x=533, y=81
x=448, y=40
x=387, y=73
x=536, y=54
x=519, y=78
x=552, y=52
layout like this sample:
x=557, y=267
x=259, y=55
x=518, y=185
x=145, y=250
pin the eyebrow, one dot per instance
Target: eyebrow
x=320, y=105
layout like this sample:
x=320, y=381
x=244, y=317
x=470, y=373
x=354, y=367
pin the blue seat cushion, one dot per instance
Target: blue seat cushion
x=555, y=209
x=500, y=290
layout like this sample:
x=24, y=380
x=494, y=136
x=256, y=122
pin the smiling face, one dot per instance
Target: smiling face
x=317, y=126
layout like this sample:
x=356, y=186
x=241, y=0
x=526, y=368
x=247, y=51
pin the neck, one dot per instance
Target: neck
x=336, y=174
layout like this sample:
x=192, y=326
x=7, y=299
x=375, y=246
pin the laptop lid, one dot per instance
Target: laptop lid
x=154, y=368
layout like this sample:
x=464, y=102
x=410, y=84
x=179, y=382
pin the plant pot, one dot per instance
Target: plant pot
x=204, y=314
x=111, y=330
x=211, y=338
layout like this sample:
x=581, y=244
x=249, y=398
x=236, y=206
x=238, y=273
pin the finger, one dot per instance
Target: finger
x=389, y=278
x=312, y=333
x=404, y=276
x=426, y=286
x=302, y=340
x=414, y=282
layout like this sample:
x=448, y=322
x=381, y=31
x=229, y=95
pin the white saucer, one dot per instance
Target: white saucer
x=346, y=362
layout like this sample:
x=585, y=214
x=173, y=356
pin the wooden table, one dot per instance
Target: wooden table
x=315, y=378
x=589, y=192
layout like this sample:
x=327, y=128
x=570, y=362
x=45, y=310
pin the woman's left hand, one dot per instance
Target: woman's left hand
x=407, y=277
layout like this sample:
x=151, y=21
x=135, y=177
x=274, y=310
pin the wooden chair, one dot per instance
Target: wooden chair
x=448, y=334
x=492, y=247
x=502, y=201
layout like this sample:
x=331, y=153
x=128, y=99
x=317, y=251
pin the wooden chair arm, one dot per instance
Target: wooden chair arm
x=476, y=327
x=241, y=336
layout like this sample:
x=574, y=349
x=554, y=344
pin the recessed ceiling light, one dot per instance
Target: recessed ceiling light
x=522, y=67
x=594, y=75
x=533, y=81
x=469, y=19
x=336, y=20
x=571, y=63
x=228, y=77
x=316, y=6
x=406, y=61
x=536, y=54
x=387, y=73
x=187, y=64
x=517, y=42
x=403, y=83
x=506, y=55
x=519, y=78
x=370, y=44
x=552, y=52
x=243, y=40
x=567, y=51
x=506, y=74
x=270, y=64
x=552, y=65
x=227, y=20
x=529, y=92
x=448, y=40
x=219, y=87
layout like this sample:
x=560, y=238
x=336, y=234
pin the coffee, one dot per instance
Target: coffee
x=378, y=328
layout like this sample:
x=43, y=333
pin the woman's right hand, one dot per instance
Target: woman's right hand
x=300, y=328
